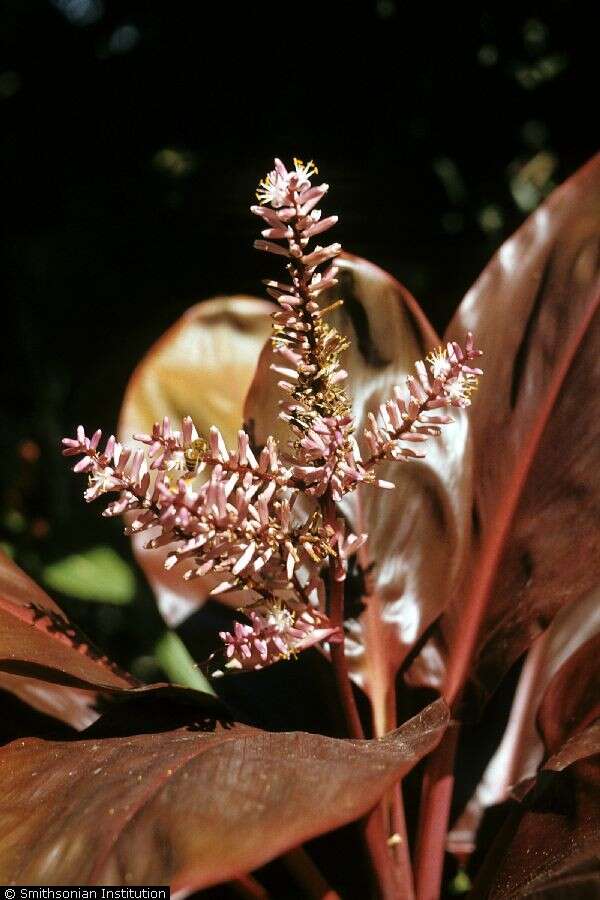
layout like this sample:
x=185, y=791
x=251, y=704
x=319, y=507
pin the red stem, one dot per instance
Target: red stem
x=301, y=866
x=247, y=887
x=393, y=807
x=394, y=882
x=376, y=840
x=338, y=655
x=340, y=668
x=438, y=786
x=401, y=850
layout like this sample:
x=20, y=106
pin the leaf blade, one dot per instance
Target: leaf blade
x=535, y=313
x=248, y=796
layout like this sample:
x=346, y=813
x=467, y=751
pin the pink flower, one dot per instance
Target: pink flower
x=273, y=634
x=256, y=519
x=280, y=188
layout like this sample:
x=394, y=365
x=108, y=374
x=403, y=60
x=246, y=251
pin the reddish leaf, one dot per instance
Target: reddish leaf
x=536, y=428
x=555, y=836
x=418, y=531
x=546, y=674
x=572, y=701
x=186, y=807
x=49, y=664
x=71, y=705
x=584, y=743
x=551, y=847
x=202, y=367
x=37, y=640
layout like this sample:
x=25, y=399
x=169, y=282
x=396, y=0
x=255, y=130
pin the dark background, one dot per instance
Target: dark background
x=133, y=137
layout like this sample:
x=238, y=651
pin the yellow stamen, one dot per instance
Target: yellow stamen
x=307, y=170
x=263, y=194
x=330, y=308
x=438, y=362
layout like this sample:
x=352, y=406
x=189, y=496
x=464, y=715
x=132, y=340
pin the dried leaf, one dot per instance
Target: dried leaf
x=187, y=807
x=202, y=366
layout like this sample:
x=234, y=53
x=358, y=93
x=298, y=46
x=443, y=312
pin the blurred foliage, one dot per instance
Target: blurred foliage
x=460, y=884
x=133, y=138
x=175, y=659
x=97, y=574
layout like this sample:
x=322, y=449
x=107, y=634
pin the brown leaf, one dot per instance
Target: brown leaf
x=545, y=680
x=550, y=848
x=583, y=743
x=535, y=426
x=417, y=532
x=572, y=702
x=37, y=641
x=187, y=807
x=202, y=367
x=50, y=665
x=71, y=705
x=20, y=596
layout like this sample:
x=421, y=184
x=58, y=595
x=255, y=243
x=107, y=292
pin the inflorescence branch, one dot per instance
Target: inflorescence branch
x=231, y=515
x=325, y=452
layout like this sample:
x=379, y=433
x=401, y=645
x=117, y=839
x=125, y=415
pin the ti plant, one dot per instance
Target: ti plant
x=263, y=520
x=470, y=557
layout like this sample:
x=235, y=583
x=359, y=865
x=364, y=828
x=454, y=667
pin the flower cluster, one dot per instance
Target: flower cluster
x=231, y=515
x=278, y=634
x=445, y=379
x=309, y=347
x=326, y=455
x=237, y=525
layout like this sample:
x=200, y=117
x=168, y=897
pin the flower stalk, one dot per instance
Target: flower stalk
x=436, y=796
x=261, y=523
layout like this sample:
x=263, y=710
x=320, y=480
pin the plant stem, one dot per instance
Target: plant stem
x=401, y=849
x=385, y=720
x=436, y=796
x=376, y=841
x=301, y=866
x=391, y=809
x=247, y=887
x=340, y=667
x=394, y=882
x=338, y=655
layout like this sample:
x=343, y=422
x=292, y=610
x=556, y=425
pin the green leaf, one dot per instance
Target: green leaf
x=98, y=574
x=178, y=665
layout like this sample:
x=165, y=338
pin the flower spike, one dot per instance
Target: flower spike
x=230, y=513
